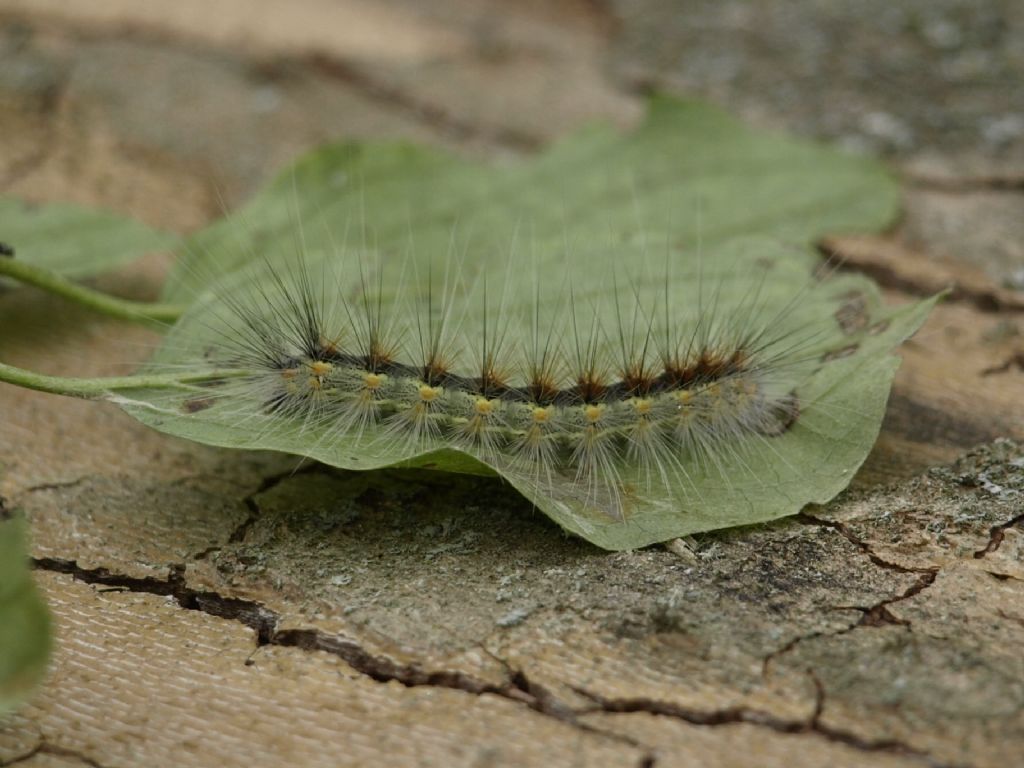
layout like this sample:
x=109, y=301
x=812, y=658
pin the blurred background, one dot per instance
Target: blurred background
x=174, y=112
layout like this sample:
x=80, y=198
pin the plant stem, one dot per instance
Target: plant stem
x=122, y=309
x=98, y=388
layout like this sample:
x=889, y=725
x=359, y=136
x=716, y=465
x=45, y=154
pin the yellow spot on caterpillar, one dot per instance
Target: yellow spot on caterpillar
x=320, y=368
x=483, y=406
x=593, y=413
x=643, y=406
x=429, y=394
x=373, y=380
x=289, y=373
x=684, y=396
x=315, y=384
x=541, y=415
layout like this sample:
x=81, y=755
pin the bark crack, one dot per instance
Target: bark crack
x=518, y=687
x=1014, y=360
x=861, y=545
x=875, y=615
x=974, y=289
x=1010, y=617
x=779, y=652
x=56, y=485
x=996, y=535
x=242, y=529
x=248, y=612
x=430, y=114
x=45, y=748
x=346, y=71
x=743, y=715
x=879, y=614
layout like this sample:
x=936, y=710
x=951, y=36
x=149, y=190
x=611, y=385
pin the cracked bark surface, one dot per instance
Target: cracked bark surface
x=217, y=607
x=837, y=635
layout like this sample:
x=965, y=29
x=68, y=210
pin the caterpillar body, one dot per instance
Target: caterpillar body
x=559, y=417
x=686, y=396
x=633, y=385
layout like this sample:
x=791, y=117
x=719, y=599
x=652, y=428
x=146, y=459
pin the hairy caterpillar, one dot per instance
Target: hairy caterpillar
x=632, y=398
x=626, y=395
x=633, y=393
x=563, y=414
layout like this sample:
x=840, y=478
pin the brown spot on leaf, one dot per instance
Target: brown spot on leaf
x=852, y=314
x=842, y=352
x=197, y=404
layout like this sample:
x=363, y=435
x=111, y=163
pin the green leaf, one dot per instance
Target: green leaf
x=24, y=619
x=689, y=170
x=73, y=241
x=755, y=282
x=692, y=211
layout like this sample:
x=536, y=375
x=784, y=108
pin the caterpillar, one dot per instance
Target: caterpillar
x=631, y=384
x=564, y=416
x=637, y=396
